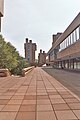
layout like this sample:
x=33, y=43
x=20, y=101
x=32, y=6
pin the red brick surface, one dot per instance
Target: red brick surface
x=38, y=96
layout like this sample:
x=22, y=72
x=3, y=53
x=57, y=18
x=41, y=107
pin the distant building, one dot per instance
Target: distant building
x=65, y=50
x=41, y=58
x=30, y=49
x=51, y=55
x=1, y=11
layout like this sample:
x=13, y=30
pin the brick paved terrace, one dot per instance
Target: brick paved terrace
x=38, y=96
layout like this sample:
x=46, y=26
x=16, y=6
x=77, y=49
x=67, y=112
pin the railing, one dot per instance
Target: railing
x=4, y=73
x=27, y=70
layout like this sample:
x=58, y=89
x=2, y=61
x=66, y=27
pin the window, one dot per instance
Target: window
x=69, y=42
x=73, y=37
x=77, y=30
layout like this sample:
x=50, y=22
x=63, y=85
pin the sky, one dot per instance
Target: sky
x=37, y=20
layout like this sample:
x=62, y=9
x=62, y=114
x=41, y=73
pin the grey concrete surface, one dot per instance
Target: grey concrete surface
x=69, y=79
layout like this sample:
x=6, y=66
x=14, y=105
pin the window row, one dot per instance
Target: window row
x=72, y=38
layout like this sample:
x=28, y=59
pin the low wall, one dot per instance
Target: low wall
x=4, y=73
x=26, y=70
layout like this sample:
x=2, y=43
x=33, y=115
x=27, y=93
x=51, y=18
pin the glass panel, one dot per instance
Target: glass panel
x=77, y=33
x=78, y=65
x=71, y=39
x=67, y=42
x=74, y=65
x=64, y=44
x=71, y=65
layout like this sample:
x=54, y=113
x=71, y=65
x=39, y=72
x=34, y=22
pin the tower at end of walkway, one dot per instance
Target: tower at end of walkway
x=41, y=58
x=30, y=49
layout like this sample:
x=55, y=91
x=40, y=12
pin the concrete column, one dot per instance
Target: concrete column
x=61, y=64
x=67, y=63
x=73, y=63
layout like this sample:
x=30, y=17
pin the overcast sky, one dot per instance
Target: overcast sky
x=37, y=20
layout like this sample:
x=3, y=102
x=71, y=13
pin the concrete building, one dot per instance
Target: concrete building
x=65, y=51
x=51, y=55
x=41, y=58
x=1, y=11
x=30, y=49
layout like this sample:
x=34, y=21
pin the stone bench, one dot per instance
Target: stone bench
x=27, y=70
x=4, y=73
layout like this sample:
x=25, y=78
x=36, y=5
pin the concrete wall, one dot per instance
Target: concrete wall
x=70, y=52
x=1, y=7
x=75, y=23
x=1, y=11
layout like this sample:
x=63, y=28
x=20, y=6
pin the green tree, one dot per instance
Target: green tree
x=10, y=58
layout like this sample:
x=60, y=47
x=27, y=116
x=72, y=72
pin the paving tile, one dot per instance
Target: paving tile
x=65, y=115
x=42, y=97
x=68, y=96
x=74, y=106
x=7, y=115
x=39, y=91
x=31, y=94
x=25, y=116
x=43, y=102
x=3, y=102
x=44, y=108
x=9, y=93
x=77, y=113
x=12, y=90
x=46, y=116
x=19, y=93
x=55, y=96
x=13, y=102
x=29, y=102
x=17, y=97
x=52, y=93
x=64, y=93
x=30, y=97
x=1, y=107
x=72, y=100
x=57, y=100
x=5, y=97
x=40, y=87
x=28, y=108
x=11, y=108
x=42, y=93
x=61, y=107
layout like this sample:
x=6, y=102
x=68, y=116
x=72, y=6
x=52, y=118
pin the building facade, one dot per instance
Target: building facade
x=1, y=11
x=30, y=49
x=52, y=53
x=66, y=48
x=41, y=58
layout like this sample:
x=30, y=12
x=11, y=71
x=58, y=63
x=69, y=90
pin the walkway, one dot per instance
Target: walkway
x=69, y=79
x=38, y=96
